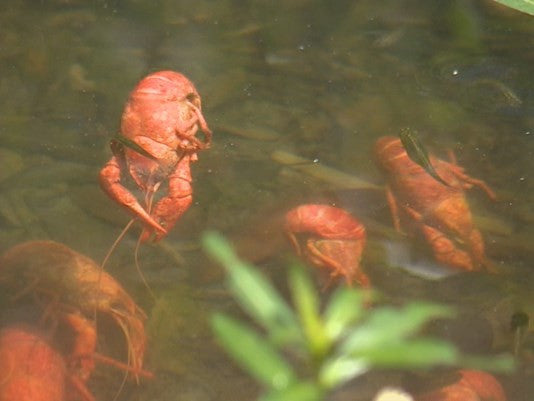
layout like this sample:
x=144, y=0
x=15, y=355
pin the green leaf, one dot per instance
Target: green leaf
x=307, y=305
x=526, y=6
x=389, y=325
x=254, y=293
x=339, y=370
x=302, y=391
x=255, y=354
x=345, y=308
x=411, y=354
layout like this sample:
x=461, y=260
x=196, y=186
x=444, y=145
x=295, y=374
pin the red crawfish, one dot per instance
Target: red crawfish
x=330, y=238
x=439, y=212
x=158, y=142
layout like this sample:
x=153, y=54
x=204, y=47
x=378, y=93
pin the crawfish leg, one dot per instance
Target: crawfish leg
x=467, y=180
x=320, y=258
x=445, y=251
x=443, y=248
x=342, y=257
x=393, y=207
x=294, y=241
x=110, y=181
x=122, y=366
x=81, y=355
x=203, y=125
x=452, y=157
x=470, y=181
x=172, y=206
x=80, y=388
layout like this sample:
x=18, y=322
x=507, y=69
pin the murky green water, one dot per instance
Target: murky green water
x=320, y=80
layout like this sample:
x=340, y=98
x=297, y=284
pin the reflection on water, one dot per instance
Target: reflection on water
x=320, y=81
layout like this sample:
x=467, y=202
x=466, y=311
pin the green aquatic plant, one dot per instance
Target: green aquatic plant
x=329, y=346
x=526, y=6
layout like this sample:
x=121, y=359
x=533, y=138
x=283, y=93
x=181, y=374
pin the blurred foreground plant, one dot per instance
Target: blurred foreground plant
x=329, y=347
x=526, y=6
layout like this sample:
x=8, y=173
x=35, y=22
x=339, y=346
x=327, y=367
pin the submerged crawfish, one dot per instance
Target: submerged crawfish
x=473, y=385
x=32, y=370
x=77, y=287
x=162, y=116
x=439, y=212
x=328, y=237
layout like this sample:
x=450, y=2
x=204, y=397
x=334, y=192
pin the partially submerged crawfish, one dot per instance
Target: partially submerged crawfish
x=328, y=237
x=77, y=288
x=162, y=116
x=439, y=212
x=32, y=370
x=473, y=385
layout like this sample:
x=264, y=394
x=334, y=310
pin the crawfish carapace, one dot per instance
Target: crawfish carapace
x=76, y=285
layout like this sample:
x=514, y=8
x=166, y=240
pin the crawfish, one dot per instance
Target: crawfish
x=33, y=370
x=473, y=385
x=78, y=286
x=162, y=117
x=440, y=212
x=328, y=237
